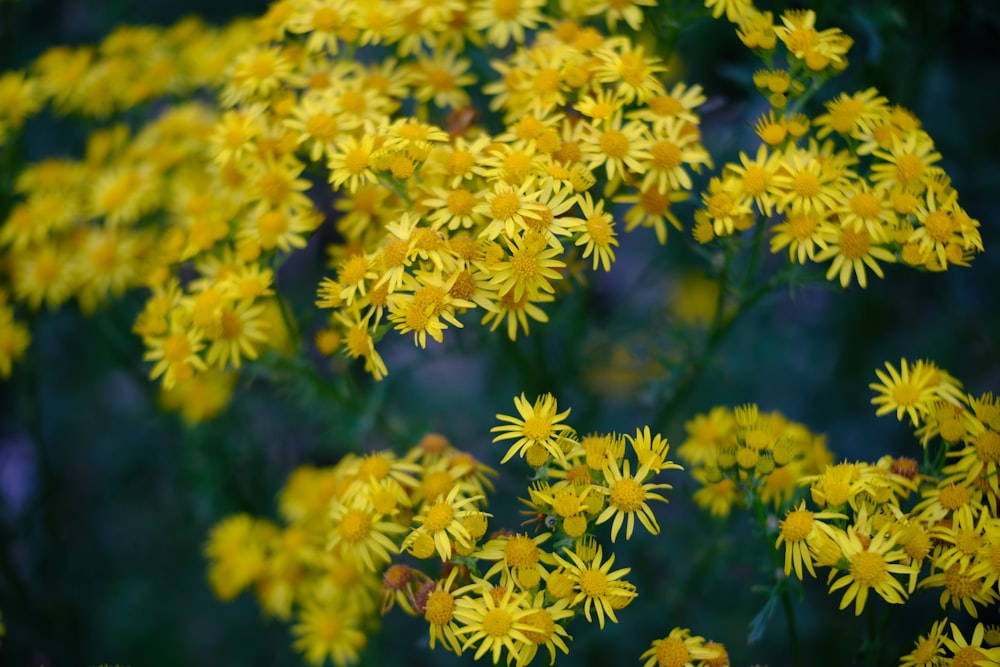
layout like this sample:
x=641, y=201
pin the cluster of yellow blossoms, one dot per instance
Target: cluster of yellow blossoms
x=859, y=185
x=457, y=186
x=381, y=531
x=887, y=528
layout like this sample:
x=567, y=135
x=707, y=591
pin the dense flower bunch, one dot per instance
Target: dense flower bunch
x=458, y=188
x=381, y=531
x=473, y=159
x=887, y=528
x=858, y=186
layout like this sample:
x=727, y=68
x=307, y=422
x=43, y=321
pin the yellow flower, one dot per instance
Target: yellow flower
x=596, y=230
x=851, y=251
x=236, y=551
x=928, y=650
x=359, y=534
x=176, y=355
x=872, y=568
x=651, y=208
x=595, y=584
x=909, y=391
x=442, y=521
x=519, y=555
x=528, y=268
x=726, y=205
x=505, y=21
x=735, y=10
x=679, y=649
x=673, y=149
x=800, y=530
x=964, y=587
x=329, y=628
x=14, y=338
x=322, y=21
x=442, y=78
x=971, y=652
x=909, y=163
x=854, y=115
x=620, y=147
x=547, y=628
x=315, y=120
x=439, y=612
x=634, y=76
x=256, y=73
x=494, y=619
x=538, y=425
x=628, y=497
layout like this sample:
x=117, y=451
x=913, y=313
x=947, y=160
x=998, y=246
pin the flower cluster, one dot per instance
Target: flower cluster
x=743, y=455
x=381, y=531
x=858, y=186
x=886, y=528
x=460, y=186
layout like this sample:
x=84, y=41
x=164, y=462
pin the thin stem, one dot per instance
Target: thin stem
x=780, y=584
x=793, y=634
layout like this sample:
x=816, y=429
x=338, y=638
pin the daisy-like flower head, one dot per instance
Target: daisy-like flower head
x=910, y=390
x=519, y=555
x=437, y=604
x=972, y=651
x=494, y=619
x=360, y=535
x=595, y=584
x=679, y=649
x=797, y=530
x=852, y=251
x=548, y=628
x=620, y=147
x=539, y=425
x=529, y=267
x=928, y=650
x=442, y=521
x=505, y=21
x=870, y=568
x=329, y=628
x=628, y=497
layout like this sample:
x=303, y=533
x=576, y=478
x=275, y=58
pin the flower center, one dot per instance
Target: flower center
x=987, y=446
x=868, y=568
x=537, y=428
x=797, y=525
x=666, y=155
x=355, y=525
x=593, y=583
x=505, y=205
x=520, y=551
x=496, y=622
x=544, y=626
x=865, y=205
x=854, y=244
x=615, y=144
x=322, y=126
x=440, y=607
x=671, y=652
x=438, y=517
x=627, y=494
x=938, y=225
x=461, y=202
x=953, y=497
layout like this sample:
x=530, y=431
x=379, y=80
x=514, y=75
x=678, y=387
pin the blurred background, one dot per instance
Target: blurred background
x=105, y=500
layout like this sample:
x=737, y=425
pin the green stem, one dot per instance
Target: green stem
x=722, y=324
x=793, y=635
x=780, y=584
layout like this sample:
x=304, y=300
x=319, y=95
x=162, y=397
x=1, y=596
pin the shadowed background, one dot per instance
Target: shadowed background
x=105, y=501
